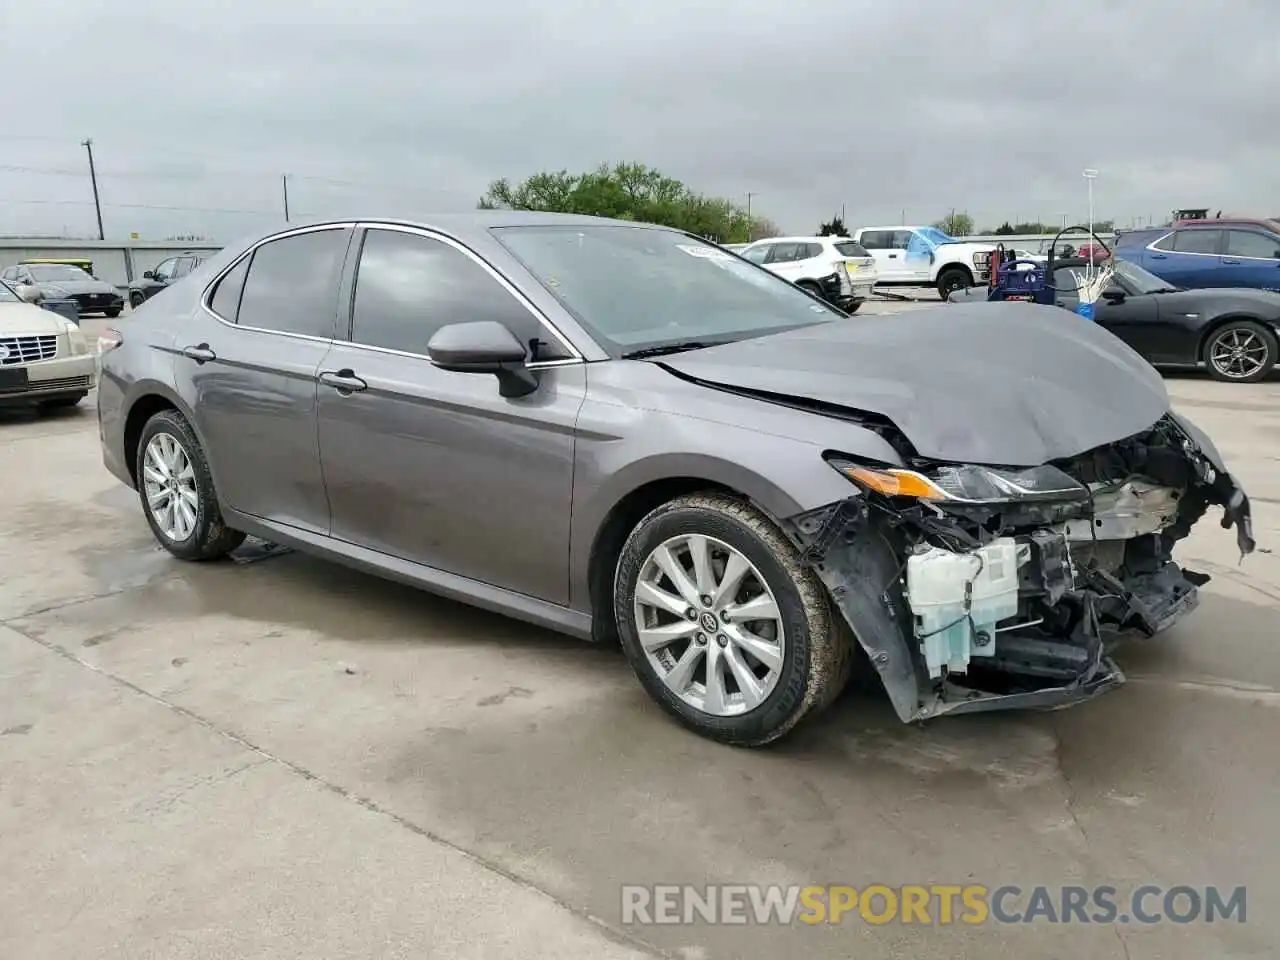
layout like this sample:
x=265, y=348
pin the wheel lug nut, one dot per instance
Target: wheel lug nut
x=691, y=614
x=706, y=600
x=724, y=616
x=722, y=640
x=700, y=639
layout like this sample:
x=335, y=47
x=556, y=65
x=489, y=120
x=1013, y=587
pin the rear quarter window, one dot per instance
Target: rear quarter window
x=850, y=248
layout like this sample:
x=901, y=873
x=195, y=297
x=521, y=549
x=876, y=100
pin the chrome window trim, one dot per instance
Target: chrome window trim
x=1186, y=253
x=534, y=365
x=206, y=298
x=1257, y=232
x=503, y=282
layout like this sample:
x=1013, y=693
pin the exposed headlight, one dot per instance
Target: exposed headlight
x=965, y=483
x=75, y=336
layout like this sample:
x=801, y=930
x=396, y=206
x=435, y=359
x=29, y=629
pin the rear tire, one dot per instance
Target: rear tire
x=177, y=493
x=808, y=286
x=1240, y=351
x=797, y=652
x=853, y=307
x=952, y=279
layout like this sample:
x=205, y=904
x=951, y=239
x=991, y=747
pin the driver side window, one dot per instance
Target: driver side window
x=165, y=270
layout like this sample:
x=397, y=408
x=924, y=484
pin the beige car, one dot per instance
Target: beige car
x=44, y=359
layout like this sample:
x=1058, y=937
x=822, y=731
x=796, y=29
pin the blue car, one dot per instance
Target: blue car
x=1208, y=253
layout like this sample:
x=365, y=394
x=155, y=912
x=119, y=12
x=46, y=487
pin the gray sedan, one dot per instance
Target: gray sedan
x=629, y=434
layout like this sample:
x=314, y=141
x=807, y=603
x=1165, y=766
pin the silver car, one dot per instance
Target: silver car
x=627, y=433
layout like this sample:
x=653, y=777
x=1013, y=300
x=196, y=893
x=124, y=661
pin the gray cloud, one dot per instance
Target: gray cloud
x=811, y=104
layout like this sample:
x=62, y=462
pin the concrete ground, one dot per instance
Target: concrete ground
x=283, y=758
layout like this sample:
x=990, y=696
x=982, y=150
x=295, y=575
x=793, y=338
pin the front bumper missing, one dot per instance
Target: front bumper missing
x=858, y=548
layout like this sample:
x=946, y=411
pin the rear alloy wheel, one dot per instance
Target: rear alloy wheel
x=177, y=493
x=953, y=279
x=1240, y=352
x=723, y=627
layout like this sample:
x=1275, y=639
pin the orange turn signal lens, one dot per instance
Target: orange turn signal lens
x=896, y=483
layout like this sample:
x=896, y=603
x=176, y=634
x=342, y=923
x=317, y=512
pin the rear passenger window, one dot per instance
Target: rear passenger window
x=1245, y=243
x=808, y=250
x=1197, y=241
x=409, y=286
x=226, y=296
x=292, y=284
x=878, y=239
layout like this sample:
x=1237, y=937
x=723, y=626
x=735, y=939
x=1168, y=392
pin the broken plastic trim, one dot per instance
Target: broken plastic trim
x=858, y=548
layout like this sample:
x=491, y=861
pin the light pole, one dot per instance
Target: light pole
x=750, y=222
x=1090, y=175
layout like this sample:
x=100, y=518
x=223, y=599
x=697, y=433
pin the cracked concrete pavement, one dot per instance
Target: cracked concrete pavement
x=285, y=758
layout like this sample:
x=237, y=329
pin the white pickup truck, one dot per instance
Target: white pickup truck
x=925, y=256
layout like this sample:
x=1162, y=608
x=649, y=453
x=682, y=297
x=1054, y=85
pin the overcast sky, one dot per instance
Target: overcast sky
x=811, y=105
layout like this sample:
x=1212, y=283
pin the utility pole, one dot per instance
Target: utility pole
x=284, y=186
x=93, y=178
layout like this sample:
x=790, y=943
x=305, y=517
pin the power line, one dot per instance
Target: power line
x=142, y=206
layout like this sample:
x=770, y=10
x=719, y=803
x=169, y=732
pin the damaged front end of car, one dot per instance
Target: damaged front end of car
x=977, y=588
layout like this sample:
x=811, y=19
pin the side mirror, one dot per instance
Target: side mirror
x=1114, y=294
x=484, y=346
x=149, y=275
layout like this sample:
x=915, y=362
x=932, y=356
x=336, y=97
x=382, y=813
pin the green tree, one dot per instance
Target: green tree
x=629, y=191
x=956, y=224
x=833, y=228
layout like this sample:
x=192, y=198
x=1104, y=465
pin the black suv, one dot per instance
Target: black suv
x=165, y=273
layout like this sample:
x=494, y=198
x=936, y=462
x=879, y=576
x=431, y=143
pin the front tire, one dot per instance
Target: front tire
x=176, y=490
x=112, y=313
x=722, y=625
x=1240, y=352
x=952, y=279
x=853, y=307
x=136, y=299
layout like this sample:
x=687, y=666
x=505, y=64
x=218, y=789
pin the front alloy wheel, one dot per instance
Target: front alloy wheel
x=709, y=625
x=723, y=626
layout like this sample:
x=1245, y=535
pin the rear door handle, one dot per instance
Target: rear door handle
x=200, y=354
x=344, y=381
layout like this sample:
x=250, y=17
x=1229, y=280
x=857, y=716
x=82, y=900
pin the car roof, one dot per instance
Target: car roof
x=1230, y=222
x=475, y=222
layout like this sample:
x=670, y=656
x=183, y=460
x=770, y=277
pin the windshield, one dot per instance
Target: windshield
x=56, y=271
x=635, y=288
x=935, y=236
x=7, y=295
x=1139, y=280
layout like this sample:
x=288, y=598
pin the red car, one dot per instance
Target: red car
x=1093, y=251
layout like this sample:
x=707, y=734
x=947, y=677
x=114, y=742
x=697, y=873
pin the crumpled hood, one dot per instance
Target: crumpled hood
x=1007, y=384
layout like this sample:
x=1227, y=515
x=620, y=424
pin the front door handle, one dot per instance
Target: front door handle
x=1159, y=256
x=200, y=354
x=893, y=256
x=344, y=381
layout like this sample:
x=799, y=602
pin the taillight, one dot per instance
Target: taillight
x=109, y=339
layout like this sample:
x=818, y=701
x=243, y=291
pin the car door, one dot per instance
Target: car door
x=919, y=256
x=782, y=258
x=248, y=366
x=1251, y=258
x=890, y=261
x=160, y=277
x=1188, y=258
x=433, y=466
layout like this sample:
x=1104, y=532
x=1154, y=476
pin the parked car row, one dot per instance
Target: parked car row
x=66, y=280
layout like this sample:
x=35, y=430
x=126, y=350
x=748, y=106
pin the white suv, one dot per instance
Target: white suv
x=834, y=268
x=920, y=256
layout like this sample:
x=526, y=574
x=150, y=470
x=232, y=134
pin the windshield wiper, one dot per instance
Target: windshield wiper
x=679, y=347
